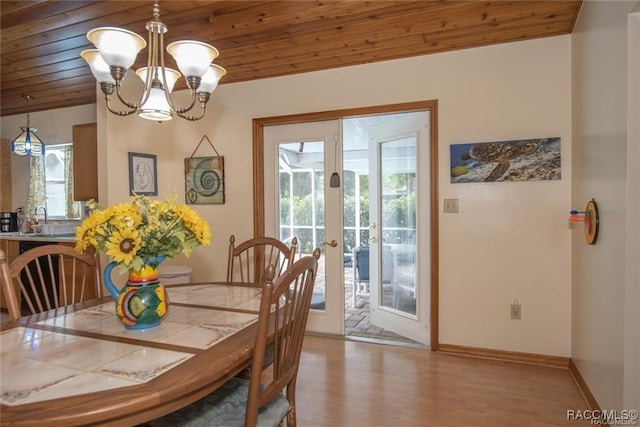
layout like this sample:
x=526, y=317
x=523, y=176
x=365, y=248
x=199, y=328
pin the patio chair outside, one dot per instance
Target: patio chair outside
x=361, y=270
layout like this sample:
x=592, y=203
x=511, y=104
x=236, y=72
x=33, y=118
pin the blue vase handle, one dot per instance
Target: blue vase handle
x=155, y=262
x=106, y=275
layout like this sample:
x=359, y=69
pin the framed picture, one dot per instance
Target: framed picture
x=515, y=160
x=143, y=174
x=204, y=180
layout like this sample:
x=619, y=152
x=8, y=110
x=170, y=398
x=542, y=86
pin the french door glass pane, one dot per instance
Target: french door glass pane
x=398, y=222
x=301, y=203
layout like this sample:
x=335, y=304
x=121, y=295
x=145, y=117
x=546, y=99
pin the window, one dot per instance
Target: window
x=59, y=182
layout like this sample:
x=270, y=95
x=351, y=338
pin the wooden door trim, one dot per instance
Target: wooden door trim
x=258, y=175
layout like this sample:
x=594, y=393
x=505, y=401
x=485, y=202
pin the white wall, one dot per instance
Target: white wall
x=509, y=239
x=600, y=146
x=54, y=127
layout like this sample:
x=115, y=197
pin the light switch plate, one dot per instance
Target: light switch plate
x=450, y=205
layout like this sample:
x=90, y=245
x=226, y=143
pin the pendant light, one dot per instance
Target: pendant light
x=27, y=143
x=334, y=181
x=116, y=51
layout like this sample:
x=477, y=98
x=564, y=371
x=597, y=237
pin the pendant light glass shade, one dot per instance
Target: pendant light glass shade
x=210, y=80
x=193, y=57
x=99, y=68
x=118, y=47
x=172, y=76
x=156, y=106
x=27, y=143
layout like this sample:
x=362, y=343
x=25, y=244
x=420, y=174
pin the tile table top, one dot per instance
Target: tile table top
x=79, y=352
x=51, y=365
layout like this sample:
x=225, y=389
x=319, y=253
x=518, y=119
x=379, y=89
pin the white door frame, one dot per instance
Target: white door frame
x=258, y=177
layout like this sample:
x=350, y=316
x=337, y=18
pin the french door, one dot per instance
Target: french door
x=399, y=218
x=299, y=201
x=313, y=170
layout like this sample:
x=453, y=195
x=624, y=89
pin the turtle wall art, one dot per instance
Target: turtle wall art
x=517, y=160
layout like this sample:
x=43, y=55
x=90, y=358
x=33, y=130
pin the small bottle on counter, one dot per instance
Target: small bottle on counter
x=29, y=223
x=21, y=220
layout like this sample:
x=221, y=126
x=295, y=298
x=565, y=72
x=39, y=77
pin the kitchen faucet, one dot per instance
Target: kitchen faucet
x=44, y=209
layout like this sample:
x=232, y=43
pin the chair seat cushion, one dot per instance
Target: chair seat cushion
x=226, y=407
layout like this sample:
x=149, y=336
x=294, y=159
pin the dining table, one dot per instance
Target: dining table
x=79, y=365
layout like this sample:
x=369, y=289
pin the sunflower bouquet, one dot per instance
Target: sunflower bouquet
x=142, y=230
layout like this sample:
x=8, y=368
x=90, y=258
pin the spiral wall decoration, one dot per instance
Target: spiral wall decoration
x=204, y=180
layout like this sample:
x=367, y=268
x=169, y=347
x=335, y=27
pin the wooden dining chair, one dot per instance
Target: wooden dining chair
x=248, y=261
x=262, y=401
x=9, y=293
x=48, y=277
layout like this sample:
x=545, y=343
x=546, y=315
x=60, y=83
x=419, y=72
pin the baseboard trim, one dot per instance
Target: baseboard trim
x=505, y=356
x=582, y=386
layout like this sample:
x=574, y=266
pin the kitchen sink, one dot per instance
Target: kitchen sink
x=51, y=229
x=56, y=229
x=34, y=235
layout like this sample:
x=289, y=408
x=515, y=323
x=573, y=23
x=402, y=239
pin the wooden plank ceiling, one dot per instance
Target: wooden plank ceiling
x=41, y=40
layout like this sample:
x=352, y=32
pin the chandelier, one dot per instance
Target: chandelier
x=27, y=143
x=116, y=52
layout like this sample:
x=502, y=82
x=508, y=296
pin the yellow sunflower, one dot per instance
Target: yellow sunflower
x=202, y=232
x=81, y=244
x=125, y=215
x=123, y=245
x=188, y=215
x=142, y=229
x=194, y=223
x=85, y=233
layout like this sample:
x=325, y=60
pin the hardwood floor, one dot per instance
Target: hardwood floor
x=344, y=383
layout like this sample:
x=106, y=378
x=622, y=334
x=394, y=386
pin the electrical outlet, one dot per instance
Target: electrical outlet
x=516, y=310
x=450, y=206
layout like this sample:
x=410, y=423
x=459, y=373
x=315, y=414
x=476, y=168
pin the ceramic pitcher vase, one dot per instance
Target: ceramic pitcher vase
x=142, y=303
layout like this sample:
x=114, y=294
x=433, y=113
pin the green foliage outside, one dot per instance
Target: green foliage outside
x=398, y=211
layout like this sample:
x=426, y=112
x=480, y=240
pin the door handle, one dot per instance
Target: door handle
x=372, y=240
x=332, y=243
x=372, y=226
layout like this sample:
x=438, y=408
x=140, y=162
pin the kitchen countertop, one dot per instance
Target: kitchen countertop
x=35, y=237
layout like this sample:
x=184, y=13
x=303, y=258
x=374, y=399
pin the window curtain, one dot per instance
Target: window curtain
x=37, y=193
x=72, y=207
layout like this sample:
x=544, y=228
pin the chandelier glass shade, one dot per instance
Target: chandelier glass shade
x=116, y=52
x=27, y=143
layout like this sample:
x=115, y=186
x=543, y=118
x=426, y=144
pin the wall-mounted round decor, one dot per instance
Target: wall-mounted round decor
x=591, y=222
